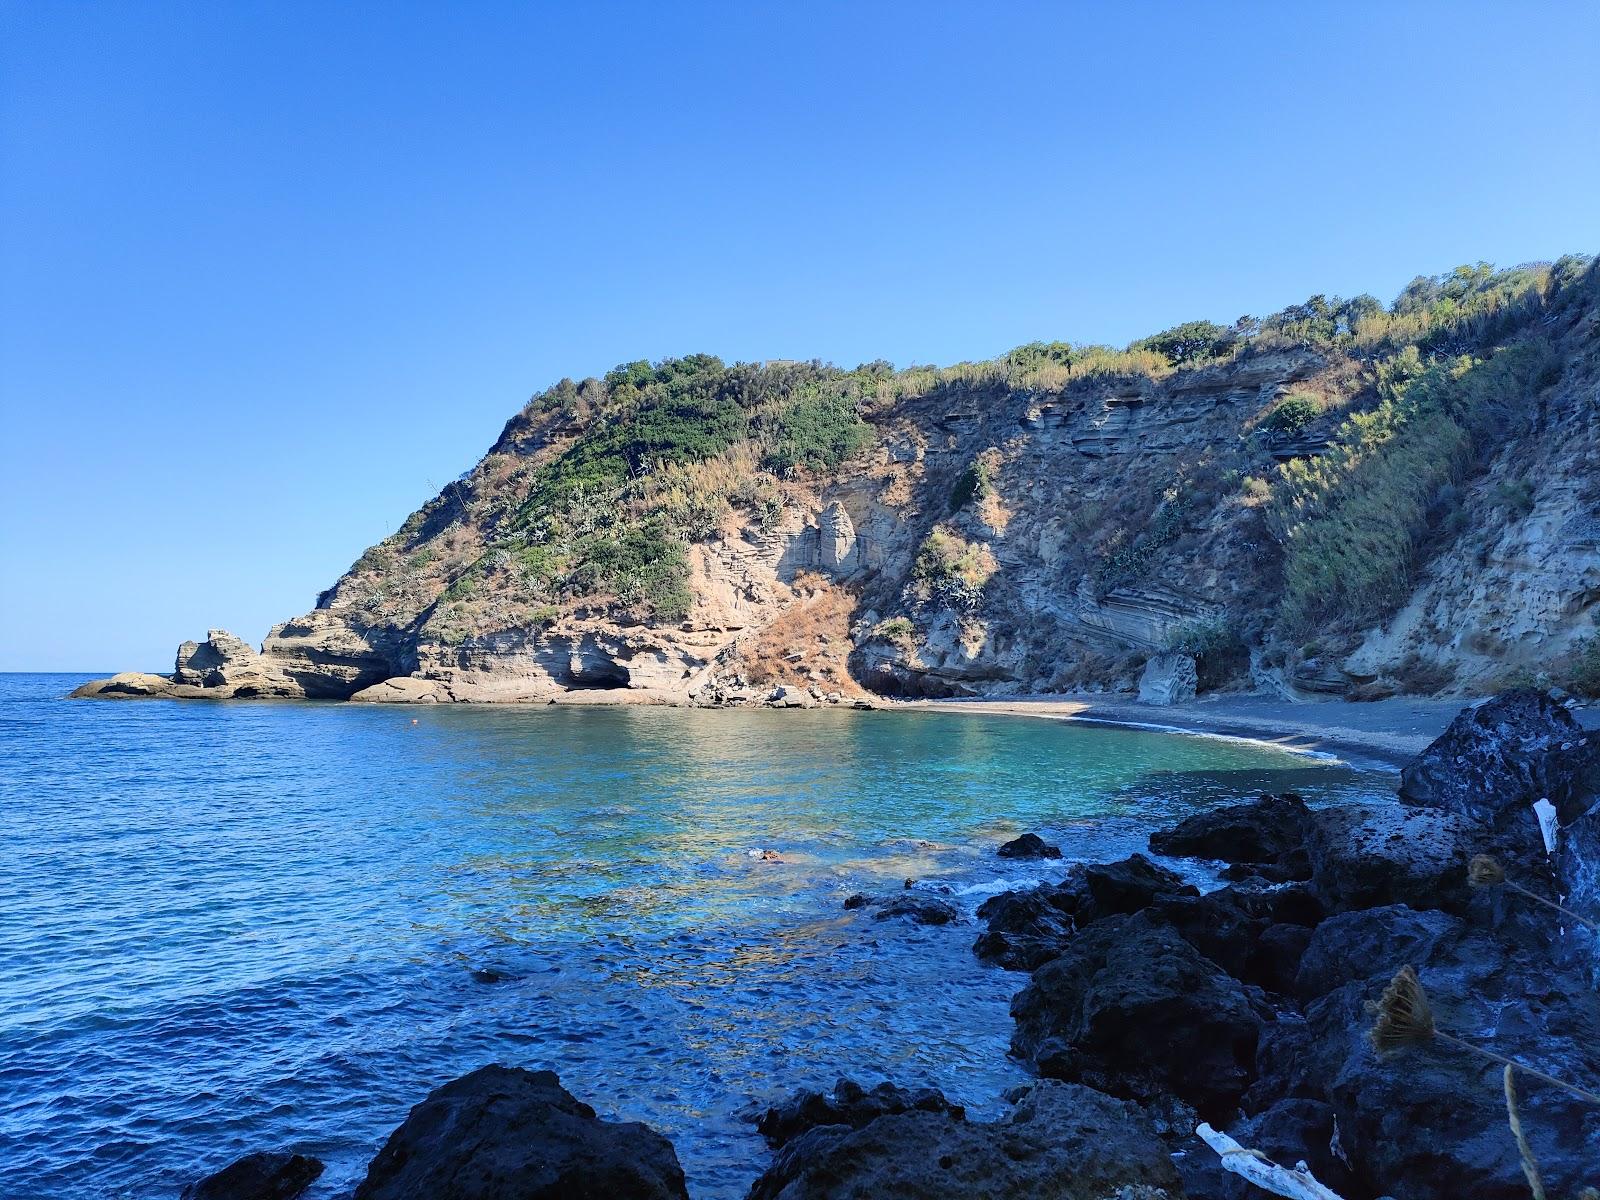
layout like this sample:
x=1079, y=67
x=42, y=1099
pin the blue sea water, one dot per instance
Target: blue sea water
x=235, y=926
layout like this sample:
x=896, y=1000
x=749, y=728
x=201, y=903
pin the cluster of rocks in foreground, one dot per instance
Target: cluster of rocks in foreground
x=1149, y=1007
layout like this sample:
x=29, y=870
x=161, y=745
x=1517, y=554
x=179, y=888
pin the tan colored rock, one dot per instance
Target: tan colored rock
x=403, y=689
x=126, y=685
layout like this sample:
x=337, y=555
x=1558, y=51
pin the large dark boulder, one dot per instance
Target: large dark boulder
x=1029, y=845
x=1499, y=756
x=1366, y=856
x=1127, y=886
x=1255, y=933
x=263, y=1175
x=1026, y=928
x=502, y=1133
x=1133, y=1009
x=1029, y=927
x=1061, y=1142
x=1269, y=832
x=1431, y=1121
x=1371, y=943
x=850, y=1104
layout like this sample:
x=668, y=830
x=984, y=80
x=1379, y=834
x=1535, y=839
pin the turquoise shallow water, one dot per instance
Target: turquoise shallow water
x=226, y=927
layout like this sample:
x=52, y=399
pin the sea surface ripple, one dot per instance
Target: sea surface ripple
x=235, y=926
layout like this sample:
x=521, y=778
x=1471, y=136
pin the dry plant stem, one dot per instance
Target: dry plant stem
x=1581, y=1093
x=1530, y=1165
x=1562, y=909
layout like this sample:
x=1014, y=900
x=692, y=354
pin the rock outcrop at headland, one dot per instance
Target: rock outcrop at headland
x=1333, y=501
x=316, y=657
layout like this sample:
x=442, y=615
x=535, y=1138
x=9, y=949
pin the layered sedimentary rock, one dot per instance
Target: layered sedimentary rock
x=1058, y=519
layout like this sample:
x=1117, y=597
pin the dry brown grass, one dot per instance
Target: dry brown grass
x=809, y=642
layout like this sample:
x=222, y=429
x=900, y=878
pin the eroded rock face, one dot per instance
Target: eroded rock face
x=260, y=1176
x=318, y=656
x=502, y=1133
x=229, y=666
x=836, y=539
x=1168, y=679
x=1061, y=1142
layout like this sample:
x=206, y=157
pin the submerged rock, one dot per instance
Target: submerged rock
x=849, y=1104
x=1029, y=845
x=1061, y=1142
x=503, y=1133
x=918, y=910
x=264, y=1175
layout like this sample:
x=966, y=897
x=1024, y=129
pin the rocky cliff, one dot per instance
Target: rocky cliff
x=1338, y=499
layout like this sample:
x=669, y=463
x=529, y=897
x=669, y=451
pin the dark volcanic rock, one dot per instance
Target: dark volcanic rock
x=1431, y=1121
x=1254, y=932
x=259, y=1176
x=1026, y=928
x=1029, y=927
x=502, y=1133
x=1366, y=856
x=1371, y=943
x=1133, y=1009
x=1580, y=868
x=850, y=1104
x=1501, y=755
x=1127, y=886
x=919, y=910
x=1029, y=845
x=1269, y=832
x=1061, y=1142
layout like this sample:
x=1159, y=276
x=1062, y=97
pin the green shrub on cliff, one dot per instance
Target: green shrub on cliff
x=1291, y=415
x=951, y=571
x=1189, y=344
x=1354, y=519
x=817, y=429
x=976, y=482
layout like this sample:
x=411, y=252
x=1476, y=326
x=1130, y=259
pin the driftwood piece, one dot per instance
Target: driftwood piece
x=1257, y=1168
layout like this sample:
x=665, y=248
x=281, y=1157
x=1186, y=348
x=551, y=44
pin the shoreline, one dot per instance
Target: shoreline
x=1390, y=731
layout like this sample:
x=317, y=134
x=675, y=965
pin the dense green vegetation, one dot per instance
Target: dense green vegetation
x=1354, y=519
x=664, y=452
x=599, y=487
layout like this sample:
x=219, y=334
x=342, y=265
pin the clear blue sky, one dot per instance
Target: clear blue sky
x=271, y=273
